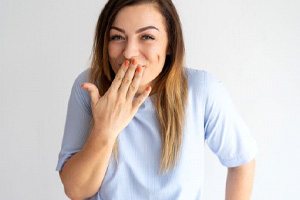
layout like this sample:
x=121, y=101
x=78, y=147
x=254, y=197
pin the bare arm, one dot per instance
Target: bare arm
x=83, y=173
x=240, y=181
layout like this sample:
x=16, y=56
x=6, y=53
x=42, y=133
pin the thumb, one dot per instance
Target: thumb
x=92, y=90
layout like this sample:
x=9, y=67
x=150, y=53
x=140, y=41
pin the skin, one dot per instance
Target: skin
x=240, y=181
x=139, y=33
x=137, y=52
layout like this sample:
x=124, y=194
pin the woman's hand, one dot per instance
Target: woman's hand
x=115, y=109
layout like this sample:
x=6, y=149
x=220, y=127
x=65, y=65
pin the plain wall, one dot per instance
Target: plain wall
x=252, y=46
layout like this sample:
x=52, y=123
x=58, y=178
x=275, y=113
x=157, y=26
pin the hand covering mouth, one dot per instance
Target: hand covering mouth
x=138, y=64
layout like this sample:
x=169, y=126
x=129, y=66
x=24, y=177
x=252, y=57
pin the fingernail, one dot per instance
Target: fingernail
x=139, y=69
x=133, y=61
x=126, y=63
x=148, y=88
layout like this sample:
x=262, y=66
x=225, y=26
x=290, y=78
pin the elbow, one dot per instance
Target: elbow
x=72, y=191
x=76, y=192
x=73, y=194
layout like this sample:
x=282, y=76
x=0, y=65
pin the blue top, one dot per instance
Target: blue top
x=211, y=118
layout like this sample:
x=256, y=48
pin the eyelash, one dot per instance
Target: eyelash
x=143, y=37
x=115, y=37
x=148, y=36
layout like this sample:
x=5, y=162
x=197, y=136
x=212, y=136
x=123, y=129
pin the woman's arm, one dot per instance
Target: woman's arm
x=83, y=173
x=240, y=181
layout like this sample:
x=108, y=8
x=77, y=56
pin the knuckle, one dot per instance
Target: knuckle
x=119, y=77
x=126, y=80
x=132, y=87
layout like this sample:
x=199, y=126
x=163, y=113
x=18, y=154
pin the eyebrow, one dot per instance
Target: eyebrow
x=138, y=31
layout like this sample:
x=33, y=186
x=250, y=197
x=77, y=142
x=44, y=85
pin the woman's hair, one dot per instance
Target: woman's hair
x=170, y=85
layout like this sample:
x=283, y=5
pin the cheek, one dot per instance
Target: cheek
x=157, y=55
x=114, y=52
x=156, y=59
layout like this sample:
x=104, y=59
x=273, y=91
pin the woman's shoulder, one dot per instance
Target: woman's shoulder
x=78, y=94
x=200, y=77
x=204, y=83
x=83, y=76
x=194, y=73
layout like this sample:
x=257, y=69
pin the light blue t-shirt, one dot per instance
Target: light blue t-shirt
x=211, y=118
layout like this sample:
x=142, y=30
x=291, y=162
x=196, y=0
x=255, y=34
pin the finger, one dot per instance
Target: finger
x=137, y=102
x=135, y=82
x=119, y=76
x=127, y=78
x=93, y=91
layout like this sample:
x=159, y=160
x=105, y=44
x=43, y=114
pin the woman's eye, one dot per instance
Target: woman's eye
x=147, y=37
x=116, y=37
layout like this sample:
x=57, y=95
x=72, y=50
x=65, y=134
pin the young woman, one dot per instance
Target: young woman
x=138, y=120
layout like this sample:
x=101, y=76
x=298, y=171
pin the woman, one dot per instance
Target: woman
x=137, y=119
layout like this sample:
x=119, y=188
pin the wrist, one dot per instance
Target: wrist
x=103, y=136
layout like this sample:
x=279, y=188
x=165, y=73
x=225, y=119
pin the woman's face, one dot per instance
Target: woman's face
x=139, y=32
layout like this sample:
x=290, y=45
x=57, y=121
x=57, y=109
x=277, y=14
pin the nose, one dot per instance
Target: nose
x=131, y=49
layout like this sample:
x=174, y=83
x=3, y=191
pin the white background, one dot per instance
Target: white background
x=252, y=46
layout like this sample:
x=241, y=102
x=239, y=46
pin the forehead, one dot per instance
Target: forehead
x=137, y=16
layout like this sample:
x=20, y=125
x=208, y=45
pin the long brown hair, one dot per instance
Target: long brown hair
x=170, y=85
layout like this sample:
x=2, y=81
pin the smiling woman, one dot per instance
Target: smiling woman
x=141, y=36
x=138, y=119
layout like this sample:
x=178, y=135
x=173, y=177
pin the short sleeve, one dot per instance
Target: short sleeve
x=226, y=133
x=77, y=122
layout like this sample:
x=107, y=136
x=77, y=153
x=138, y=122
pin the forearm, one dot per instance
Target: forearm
x=240, y=182
x=83, y=173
